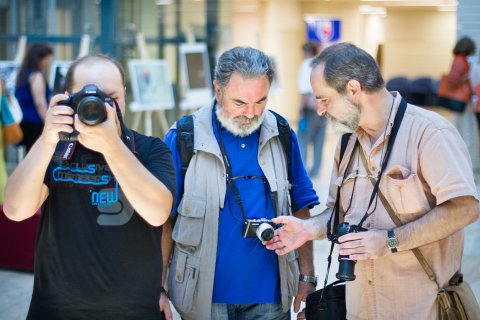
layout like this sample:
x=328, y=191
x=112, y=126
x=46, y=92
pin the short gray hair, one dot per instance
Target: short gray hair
x=248, y=62
x=344, y=62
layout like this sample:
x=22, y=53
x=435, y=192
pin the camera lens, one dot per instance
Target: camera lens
x=265, y=232
x=91, y=110
x=346, y=269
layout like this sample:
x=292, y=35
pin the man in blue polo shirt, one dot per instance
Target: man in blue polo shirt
x=238, y=173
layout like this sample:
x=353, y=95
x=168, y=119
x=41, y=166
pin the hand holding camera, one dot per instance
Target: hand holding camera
x=346, y=267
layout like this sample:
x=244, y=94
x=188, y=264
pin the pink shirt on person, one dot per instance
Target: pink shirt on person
x=429, y=165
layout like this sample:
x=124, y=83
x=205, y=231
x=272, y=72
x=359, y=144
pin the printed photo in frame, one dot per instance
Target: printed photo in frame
x=8, y=72
x=151, y=85
x=196, y=79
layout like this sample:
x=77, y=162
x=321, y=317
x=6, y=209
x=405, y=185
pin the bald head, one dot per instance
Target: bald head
x=90, y=62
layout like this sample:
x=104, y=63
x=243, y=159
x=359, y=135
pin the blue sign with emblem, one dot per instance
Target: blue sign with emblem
x=323, y=30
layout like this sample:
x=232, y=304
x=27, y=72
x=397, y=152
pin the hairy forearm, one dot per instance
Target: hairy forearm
x=439, y=223
x=150, y=198
x=26, y=182
x=317, y=225
x=167, y=245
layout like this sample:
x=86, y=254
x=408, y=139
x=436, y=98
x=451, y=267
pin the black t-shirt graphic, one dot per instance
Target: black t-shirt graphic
x=95, y=257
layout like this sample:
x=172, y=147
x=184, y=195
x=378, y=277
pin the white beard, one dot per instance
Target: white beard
x=350, y=122
x=236, y=125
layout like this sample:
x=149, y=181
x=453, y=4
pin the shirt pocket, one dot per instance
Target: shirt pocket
x=188, y=228
x=405, y=193
x=347, y=189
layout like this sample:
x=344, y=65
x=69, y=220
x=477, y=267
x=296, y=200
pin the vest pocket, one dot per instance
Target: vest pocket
x=183, y=280
x=189, y=225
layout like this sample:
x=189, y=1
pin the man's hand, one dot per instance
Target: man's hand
x=101, y=137
x=290, y=236
x=165, y=306
x=58, y=119
x=366, y=245
x=304, y=289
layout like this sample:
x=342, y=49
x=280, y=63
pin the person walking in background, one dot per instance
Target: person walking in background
x=424, y=194
x=311, y=127
x=239, y=172
x=32, y=91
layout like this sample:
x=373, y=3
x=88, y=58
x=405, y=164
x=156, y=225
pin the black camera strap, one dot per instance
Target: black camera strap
x=393, y=134
x=228, y=168
x=335, y=215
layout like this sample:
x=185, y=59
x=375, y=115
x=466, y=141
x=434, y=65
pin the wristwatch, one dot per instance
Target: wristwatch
x=392, y=241
x=311, y=279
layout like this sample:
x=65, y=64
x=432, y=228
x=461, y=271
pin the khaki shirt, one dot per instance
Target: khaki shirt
x=429, y=165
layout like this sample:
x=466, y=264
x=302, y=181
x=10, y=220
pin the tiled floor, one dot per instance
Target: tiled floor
x=15, y=287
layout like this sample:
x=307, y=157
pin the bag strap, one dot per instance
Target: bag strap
x=418, y=254
x=335, y=211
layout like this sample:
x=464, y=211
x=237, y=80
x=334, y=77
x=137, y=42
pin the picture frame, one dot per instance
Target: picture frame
x=58, y=75
x=8, y=72
x=196, y=78
x=151, y=85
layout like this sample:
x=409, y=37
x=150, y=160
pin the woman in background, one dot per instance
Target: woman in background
x=32, y=91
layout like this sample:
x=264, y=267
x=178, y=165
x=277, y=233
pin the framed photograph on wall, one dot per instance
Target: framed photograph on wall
x=8, y=72
x=151, y=85
x=58, y=75
x=196, y=79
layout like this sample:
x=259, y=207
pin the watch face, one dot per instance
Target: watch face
x=392, y=242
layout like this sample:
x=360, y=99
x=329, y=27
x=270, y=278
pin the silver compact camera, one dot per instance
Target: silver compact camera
x=263, y=229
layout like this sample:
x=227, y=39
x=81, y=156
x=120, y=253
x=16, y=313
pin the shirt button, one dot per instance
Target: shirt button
x=243, y=145
x=370, y=282
x=369, y=225
x=374, y=168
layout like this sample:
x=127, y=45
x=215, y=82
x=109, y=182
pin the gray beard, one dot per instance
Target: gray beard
x=235, y=126
x=350, y=122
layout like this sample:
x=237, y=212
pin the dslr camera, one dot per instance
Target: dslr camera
x=263, y=229
x=346, y=267
x=89, y=105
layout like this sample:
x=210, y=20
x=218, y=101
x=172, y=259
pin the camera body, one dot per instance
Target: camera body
x=346, y=267
x=89, y=105
x=263, y=229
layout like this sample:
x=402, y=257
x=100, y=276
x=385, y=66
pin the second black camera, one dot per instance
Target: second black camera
x=346, y=267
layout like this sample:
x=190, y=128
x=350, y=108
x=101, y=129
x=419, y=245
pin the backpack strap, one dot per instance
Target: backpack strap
x=185, y=141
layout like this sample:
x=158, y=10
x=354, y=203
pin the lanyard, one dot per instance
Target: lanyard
x=396, y=126
x=230, y=178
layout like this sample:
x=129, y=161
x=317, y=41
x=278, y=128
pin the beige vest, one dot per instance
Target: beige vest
x=191, y=272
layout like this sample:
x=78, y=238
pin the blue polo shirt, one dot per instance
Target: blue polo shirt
x=246, y=272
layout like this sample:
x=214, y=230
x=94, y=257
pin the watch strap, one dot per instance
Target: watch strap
x=311, y=279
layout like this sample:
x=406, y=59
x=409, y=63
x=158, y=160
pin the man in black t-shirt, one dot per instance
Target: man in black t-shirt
x=103, y=198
